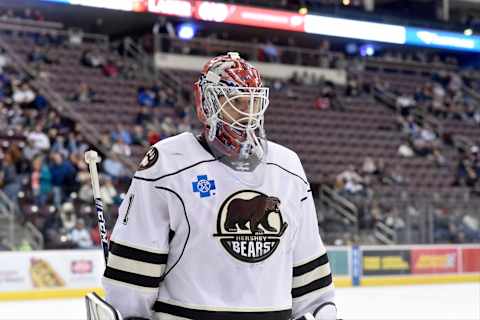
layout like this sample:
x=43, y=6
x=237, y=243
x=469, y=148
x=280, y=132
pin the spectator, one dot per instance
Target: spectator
x=122, y=134
x=63, y=173
x=23, y=94
x=393, y=219
x=184, y=125
x=114, y=168
x=438, y=102
x=108, y=192
x=369, y=166
x=38, y=140
x=40, y=103
x=396, y=176
x=353, y=88
x=81, y=236
x=59, y=146
x=41, y=181
x=167, y=128
x=138, y=136
x=68, y=216
x=468, y=169
x=350, y=182
x=121, y=148
x=92, y=59
x=9, y=179
x=75, y=36
x=110, y=69
x=142, y=117
x=271, y=52
x=145, y=98
x=405, y=104
x=328, y=92
x=84, y=94
x=153, y=137
x=39, y=55
x=426, y=143
x=322, y=103
x=295, y=79
x=4, y=60
x=85, y=192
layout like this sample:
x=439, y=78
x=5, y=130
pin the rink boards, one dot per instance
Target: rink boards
x=73, y=273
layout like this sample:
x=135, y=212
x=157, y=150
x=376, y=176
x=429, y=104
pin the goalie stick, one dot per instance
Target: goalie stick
x=92, y=158
x=97, y=308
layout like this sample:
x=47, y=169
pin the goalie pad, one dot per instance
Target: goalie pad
x=99, y=309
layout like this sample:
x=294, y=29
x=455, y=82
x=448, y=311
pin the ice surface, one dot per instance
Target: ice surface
x=439, y=302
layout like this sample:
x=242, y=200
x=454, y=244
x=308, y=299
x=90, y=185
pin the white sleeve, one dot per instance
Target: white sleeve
x=312, y=285
x=138, y=251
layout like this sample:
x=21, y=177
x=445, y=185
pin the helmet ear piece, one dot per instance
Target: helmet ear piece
x=197, y=90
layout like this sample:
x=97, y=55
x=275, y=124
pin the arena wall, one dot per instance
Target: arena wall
x=73, y=273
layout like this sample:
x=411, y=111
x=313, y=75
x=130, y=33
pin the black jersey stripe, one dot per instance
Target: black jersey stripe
x=290, y=172
x=131, y=278
x=137, y=254
x=188, y=313
x=309, y=266
x=312, y=286
x=176, y=172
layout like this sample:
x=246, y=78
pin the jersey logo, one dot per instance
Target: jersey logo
x=250, y=225
x=204, y=186
x=150, y=158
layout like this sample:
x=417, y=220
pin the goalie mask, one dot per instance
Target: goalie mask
x=230, y=103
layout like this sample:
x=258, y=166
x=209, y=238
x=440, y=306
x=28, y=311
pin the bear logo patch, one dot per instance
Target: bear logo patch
x=150, y=158
x=250, y=225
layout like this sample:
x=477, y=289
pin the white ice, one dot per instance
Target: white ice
x=435, y=302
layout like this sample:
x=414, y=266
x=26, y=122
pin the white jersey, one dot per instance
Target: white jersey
x=197, y=240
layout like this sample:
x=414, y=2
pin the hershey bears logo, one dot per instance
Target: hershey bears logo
x=150, y=158
x=250, y=225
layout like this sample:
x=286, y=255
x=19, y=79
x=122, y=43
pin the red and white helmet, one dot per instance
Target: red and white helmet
x=230, y=103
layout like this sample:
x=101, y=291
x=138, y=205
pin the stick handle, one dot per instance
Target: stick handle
x=92, y=158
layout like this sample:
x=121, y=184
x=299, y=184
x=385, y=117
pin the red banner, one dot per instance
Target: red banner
x=140, y=5
x=434, y=260
x=248, y=16
x=177, y=8
x=471, y=259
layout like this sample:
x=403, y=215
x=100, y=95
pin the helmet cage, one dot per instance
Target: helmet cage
x=237, y=110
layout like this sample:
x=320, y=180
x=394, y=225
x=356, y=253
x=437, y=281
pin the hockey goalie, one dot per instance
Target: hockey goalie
x=220, y=226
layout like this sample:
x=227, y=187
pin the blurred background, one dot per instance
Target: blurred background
x=380, y=99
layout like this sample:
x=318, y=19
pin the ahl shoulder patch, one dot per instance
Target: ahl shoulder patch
x=150, y=159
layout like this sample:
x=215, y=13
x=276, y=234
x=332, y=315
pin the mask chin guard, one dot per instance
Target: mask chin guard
x=212, y=131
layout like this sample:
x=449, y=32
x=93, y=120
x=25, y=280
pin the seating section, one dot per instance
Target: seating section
x=327, y=141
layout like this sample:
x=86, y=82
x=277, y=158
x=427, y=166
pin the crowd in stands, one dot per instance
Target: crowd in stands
x=420, y=117
x=42, y=170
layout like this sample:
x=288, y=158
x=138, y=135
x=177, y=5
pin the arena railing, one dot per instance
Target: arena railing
x=34, y=23
x=7, y=218
x=211, y=47
x=342, y=206
x=384, y=233
x=57, y=101
x=39, y=27
x=423, y=213
x=409, y=67
x=289, y=55
x=13, y=232
x=168, y=79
